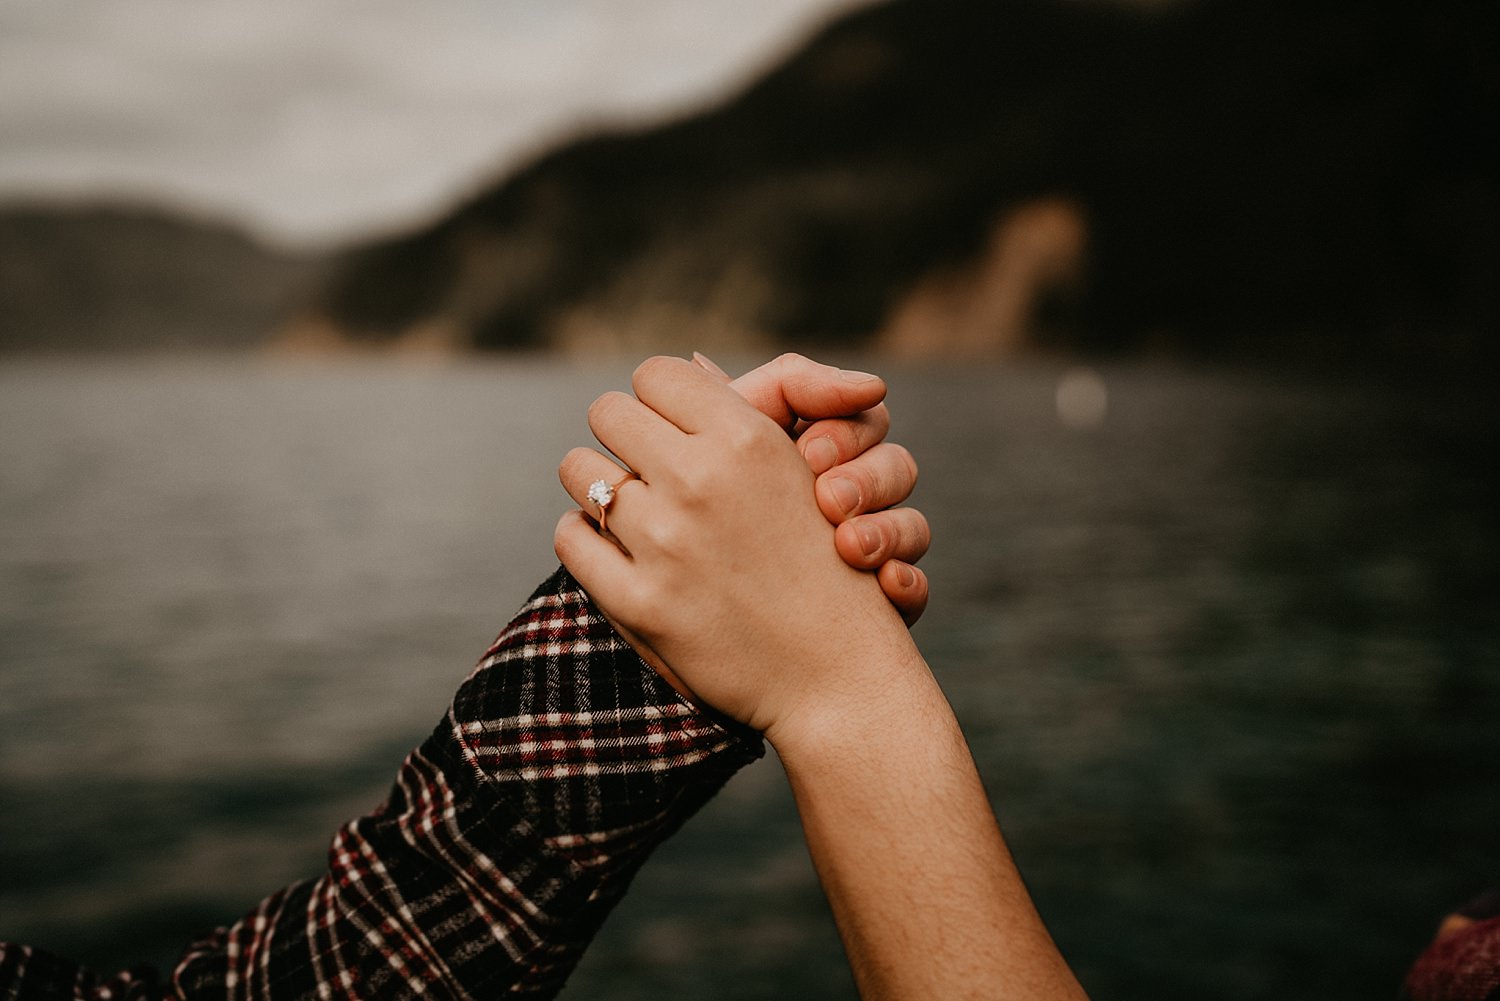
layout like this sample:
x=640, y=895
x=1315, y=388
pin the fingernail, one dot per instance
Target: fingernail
x=821, y=455
x=905, y=575
x=845, y=494
x=869, y=539
x=703, y=361
x=850, y=375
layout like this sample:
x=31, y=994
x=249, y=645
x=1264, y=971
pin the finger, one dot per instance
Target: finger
x=598, y=564
x=905, y=587
x=580, y=469
x=687, y=395
x=792, y=387
x=601, y=569
x=883, y=476
x=827, y=443
x=642, y=438
x=651, y=657
x=867, y=541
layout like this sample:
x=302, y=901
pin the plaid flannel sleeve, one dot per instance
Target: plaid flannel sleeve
x=509, y=835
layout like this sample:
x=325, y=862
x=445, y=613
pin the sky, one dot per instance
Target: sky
x=313, y=122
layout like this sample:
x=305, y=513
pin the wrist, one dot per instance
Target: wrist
x=890, y=698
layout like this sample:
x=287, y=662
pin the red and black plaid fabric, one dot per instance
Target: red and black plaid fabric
x=509, y=835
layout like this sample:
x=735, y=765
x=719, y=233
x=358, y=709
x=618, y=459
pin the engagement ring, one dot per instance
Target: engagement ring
x=603, y=494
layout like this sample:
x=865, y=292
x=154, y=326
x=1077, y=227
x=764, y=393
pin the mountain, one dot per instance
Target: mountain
x=978, y=176
x=121, y=277
x=930, y=177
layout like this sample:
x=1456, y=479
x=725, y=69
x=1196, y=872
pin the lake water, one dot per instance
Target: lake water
x=1227, y=657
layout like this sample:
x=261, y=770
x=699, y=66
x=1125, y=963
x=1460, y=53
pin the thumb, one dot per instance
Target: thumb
x=793, y=387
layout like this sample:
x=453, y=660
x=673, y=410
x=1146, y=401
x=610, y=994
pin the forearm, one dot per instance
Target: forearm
x=563, y=761
x=723, y=569
x=926, y=897
x=507, y=837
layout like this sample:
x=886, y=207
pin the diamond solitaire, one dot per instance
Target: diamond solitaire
x=601, y=493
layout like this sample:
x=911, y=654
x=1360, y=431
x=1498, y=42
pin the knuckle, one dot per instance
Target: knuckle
x=603, y=406
x=853, y=436
x=652, y=368
x=809, y=378
x=664, y=535
x=845, y=435
x=748, y=437
x=572, y=463
x=857, y=434
x=694, y=484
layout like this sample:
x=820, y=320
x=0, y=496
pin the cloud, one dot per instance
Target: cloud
x=316, y=119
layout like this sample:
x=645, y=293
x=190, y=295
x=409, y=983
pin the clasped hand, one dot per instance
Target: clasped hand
x=735, y=572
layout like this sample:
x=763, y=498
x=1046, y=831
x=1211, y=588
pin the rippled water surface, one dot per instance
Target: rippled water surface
x=1228, y=658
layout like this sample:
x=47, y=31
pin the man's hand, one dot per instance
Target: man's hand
x=724, y=572
x=840, y=422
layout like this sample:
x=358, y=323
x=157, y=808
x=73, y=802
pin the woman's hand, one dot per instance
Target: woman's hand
x=728, y=569
x=840, y=422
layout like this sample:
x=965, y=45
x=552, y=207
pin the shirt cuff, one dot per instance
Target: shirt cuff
x=569, y=722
